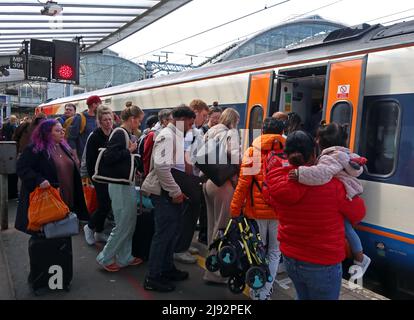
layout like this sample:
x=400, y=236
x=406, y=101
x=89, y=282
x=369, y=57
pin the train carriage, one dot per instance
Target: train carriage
x=361, y=76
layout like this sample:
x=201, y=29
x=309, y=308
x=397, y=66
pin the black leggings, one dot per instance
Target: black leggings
x=97, y=221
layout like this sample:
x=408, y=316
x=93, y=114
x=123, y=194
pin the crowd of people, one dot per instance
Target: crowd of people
x=301, y=188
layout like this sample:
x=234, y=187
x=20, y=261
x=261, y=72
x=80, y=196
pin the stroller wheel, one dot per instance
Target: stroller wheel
x=227, y=256
x=212, y=264
x=226, y=271
x=236, y=284
x=255, y=277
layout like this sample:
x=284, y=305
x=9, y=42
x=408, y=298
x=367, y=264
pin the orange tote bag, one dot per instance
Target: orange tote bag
x=90, y=198
x=45, y=206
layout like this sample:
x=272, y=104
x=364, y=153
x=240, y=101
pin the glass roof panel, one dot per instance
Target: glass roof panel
x=112, y=20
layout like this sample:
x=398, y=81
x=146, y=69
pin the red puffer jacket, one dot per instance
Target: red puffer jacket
x=311, y=218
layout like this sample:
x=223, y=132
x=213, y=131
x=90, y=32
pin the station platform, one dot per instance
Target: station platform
x=90, y=282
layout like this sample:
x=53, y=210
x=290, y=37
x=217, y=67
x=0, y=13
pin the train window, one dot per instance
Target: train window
x=256, y=121
x=379, y=136
x=342, y=113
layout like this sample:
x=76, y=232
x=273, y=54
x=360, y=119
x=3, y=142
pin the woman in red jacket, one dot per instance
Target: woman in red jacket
x=311, y=223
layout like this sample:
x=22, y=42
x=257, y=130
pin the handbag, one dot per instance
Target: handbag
x=215, y=162
x=63, y=228
x=115, y=172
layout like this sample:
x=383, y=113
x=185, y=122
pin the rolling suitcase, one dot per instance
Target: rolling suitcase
x=142, y=238
x=46, y=253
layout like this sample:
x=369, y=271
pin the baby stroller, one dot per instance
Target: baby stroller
x=240, y=255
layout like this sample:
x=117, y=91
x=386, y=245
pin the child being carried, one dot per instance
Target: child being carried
x=337, y=161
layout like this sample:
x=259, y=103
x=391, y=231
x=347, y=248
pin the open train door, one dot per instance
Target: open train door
x=345, y=83
x=259, y=97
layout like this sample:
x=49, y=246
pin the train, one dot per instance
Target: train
x=359, y=75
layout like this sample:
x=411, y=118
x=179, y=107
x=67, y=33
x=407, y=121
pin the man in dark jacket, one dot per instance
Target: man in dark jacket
x=76, y=138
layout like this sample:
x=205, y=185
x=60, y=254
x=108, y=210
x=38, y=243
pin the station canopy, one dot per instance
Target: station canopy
x=99, y=24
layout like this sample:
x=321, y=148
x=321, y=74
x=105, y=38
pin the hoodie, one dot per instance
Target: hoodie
x=311, y=218
x=247, y=195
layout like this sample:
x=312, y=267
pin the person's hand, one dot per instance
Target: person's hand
x=293, y=175
x=45, y=184
x=132, y=146
x=180, y=199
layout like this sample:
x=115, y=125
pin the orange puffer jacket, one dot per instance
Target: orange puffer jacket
x=251, y=168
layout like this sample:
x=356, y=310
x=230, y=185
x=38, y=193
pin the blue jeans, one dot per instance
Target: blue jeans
x=314, y=281
x=167, y=218
x=353, y=238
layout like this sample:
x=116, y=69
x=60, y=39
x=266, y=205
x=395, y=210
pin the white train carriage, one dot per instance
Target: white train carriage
x=361, y=76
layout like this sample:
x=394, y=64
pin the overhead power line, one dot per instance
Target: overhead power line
x=199, y=33
x=263, y=29
x=389, y=15
x=396, y=20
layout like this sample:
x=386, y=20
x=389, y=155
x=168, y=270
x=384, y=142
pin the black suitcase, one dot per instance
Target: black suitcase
x=43, y=254
x=142, y=238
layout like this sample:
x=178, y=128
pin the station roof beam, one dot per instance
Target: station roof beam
x=109, y=23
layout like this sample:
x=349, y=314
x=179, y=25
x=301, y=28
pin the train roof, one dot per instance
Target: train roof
x=338, y=43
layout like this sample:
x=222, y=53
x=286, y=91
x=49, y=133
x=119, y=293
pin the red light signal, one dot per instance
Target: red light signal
x=65, y=72
x=66, y=61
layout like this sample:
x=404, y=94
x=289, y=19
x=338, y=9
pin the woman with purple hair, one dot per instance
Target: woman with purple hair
x=48, y=161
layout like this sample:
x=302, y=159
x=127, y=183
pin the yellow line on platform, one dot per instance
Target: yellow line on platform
x=201, y=261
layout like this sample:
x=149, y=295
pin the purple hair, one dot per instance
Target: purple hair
x=42, y=137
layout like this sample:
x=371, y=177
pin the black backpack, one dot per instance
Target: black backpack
x=140, y=152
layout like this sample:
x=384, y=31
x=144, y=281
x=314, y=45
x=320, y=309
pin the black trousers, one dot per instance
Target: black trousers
x=203, y=219
x=97, y=220
x=188, y=224
x=190, y=185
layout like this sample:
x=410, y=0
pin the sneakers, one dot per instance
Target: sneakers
x=193, y=250
x=89, y=235
x=175, y=275
x=113, y=267
x=135, y=262
x=101, y=237
x=261, y=294
x=214, y=278
x=185, y=257
x=158, y=284
x=363, y=264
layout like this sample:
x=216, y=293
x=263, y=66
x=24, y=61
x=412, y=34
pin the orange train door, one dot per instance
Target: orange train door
x=345, y=85
x=258, y=103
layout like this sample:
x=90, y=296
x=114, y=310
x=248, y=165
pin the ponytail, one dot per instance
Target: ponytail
x=130, y=111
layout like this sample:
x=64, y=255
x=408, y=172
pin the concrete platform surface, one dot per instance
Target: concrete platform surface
x=91, y=282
